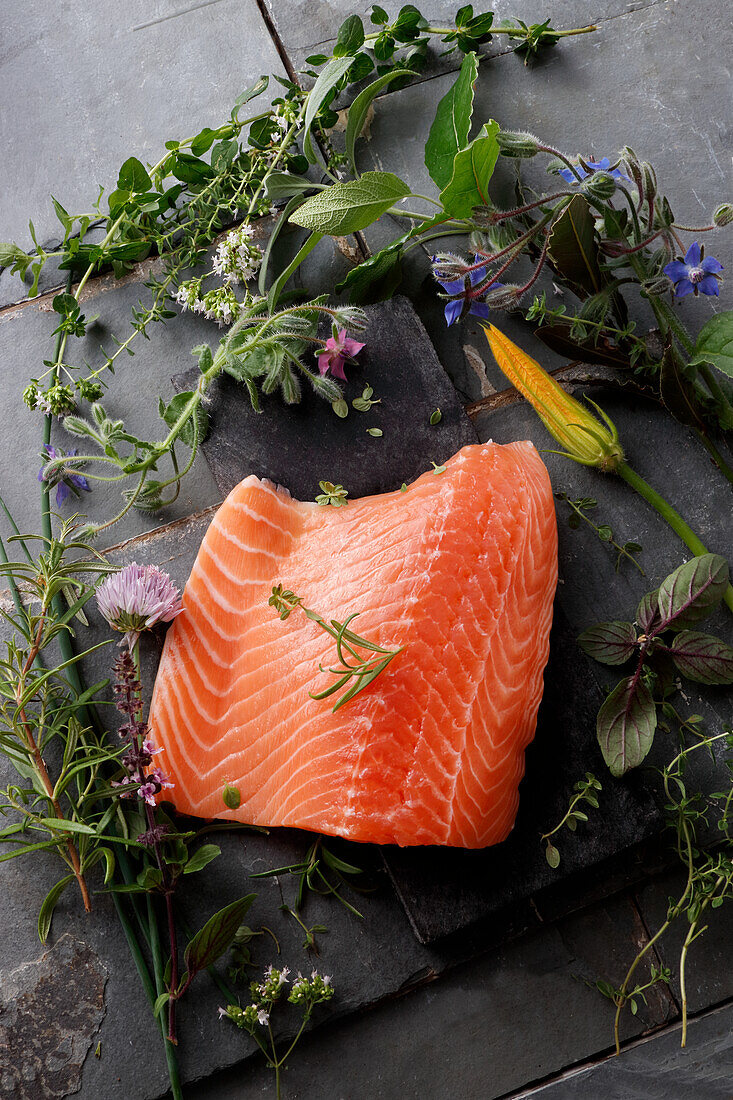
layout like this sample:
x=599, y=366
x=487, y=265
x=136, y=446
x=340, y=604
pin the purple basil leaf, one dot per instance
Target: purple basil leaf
x=647, y=611
x=610, y=643
x=625, y=725
x=216, y=935
x=703, y=658
x=690, y=593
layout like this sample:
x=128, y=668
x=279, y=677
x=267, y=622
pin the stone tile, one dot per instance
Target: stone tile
x=88, y=85
x=708, y=975
x=657, y=1068
x=680, y=126
x=483, y=1029
x=305, y=28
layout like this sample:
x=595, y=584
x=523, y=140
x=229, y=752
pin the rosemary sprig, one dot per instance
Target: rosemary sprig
x=364, y=669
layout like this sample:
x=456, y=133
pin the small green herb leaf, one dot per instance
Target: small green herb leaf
x=435, y=417
x=134, y=177
x=625, y=725
x=703, y=658
x=216, y=935
x=231, y=797
x=341, y=408
x=610, y=643
x=690, y=593
x=552, y=855
x=350, y=37
x=160, y=1003
x=376, y=432
x=201, y=857
x=715, y=344
x=346, y=207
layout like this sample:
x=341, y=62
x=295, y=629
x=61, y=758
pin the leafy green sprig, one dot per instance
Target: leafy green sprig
x=320, y=871
x=585, y=790
x=628, y=719
x=578, y=513
x=364, y=669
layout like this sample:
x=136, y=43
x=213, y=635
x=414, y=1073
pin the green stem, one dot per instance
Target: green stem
x=670, y=516
x=135, y=951
x=715, y=454
x=715, y=389
x=170, y=1050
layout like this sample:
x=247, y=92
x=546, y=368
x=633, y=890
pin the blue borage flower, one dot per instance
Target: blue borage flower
x=65, y=480
x=602, y=165
x=696, y=274
x=460, y=304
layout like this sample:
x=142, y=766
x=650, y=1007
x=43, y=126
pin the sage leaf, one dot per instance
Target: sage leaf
x=647, y=611
x=472, y=170
x=45, y=915
x=573, y=247
x=690, y=593
x=201, y=857
x=703, y=657
x=346, y=207
x=215, y=937
x=452, y=122
x=715, y=344
x=327, y=80
x=359, y=109
x=377, y=278
x=610, y=643
x=626, y=724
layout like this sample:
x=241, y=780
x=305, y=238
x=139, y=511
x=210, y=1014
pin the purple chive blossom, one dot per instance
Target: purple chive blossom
x=65, y=480
x=137, y=598
x=338, y=348
x=696, y=274
x=602, y=165
x=460, y=304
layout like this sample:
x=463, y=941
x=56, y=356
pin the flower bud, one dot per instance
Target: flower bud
x=723, y=215
x=600, y=185
x=586, y=439
x=650, y=181
x=77, y=425
x=659, y=284
x=505, y=297
x=517, y=144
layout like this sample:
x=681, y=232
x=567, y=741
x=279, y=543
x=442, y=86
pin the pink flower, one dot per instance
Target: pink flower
x=337, y=349
x=136, y=598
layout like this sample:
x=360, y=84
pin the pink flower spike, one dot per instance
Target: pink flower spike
x=336, y=351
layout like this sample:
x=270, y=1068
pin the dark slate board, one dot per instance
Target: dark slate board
x=444, y=890
x=299, y=445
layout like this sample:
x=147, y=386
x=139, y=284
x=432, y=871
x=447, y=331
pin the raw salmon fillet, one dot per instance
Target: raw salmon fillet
x=460, y=568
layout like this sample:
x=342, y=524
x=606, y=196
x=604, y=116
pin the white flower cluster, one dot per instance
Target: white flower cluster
x=188, y=296
x=237, y=259
x=220, y=305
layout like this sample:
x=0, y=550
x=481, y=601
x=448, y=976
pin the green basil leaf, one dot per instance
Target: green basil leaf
x=216, y=936
x=353, y=205
x=133, y=177
x=574, y=247
x=690, y=593
x=715, y=344
x=610, y=643
x=626, y=724
x=350, y=37
x=472, y=170
x=451, y=125
x=703, y=658
x=647, y=611
x=360, y=108
x=327, y=80
x=201, y=857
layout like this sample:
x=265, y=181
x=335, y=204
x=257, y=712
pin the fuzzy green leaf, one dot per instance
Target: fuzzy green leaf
x=626, y=724
x=347, y=207
x=574, y=248
x=703, y=657
x=715, y=344
x=377, y=278
x=690, y=593
x=610, y=643
x=216, y=935
x=328, y=78
x=472, y=170
x=449, y=132
x=171, y=412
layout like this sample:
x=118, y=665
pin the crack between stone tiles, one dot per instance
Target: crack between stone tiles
x=175, y=14
x=276, y=39
x=527, y=1091
x=659, y=962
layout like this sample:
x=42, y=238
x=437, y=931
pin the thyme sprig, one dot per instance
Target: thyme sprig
x=584, y=791
x=364, y=669
x=579, y=509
